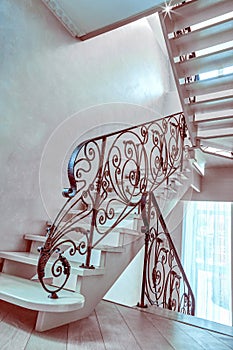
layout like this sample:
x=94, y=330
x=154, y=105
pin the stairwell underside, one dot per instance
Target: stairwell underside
x=198, y=36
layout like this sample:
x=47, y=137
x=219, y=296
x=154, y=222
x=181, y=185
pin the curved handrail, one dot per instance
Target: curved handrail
x=108, y=176
x=72, y=190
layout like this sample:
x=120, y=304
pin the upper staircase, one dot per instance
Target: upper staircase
x=199, y=40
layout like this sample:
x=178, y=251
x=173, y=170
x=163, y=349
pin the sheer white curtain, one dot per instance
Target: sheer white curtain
x=206, y=256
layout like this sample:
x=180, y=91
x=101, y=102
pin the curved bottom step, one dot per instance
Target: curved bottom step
x=30, y=295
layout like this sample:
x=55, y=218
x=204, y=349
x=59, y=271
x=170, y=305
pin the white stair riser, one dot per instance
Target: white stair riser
x=114, y=238
x=71, y=284
x=35, y=246
x=75, y=282
x=19, y=269
x=95, y=257
x=24, y=270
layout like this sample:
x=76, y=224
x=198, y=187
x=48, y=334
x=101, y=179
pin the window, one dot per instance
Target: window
x=206, y=255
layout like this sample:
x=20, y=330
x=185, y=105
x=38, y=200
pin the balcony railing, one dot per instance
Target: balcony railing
x=108, y=177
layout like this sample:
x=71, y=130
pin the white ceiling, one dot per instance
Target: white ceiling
x=82, y=17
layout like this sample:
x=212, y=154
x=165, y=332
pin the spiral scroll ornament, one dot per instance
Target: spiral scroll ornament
x=108, y=175
x=166, y=284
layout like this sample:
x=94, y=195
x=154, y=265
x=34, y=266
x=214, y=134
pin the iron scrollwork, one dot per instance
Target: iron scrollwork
x=165, y=283
x=108, y=177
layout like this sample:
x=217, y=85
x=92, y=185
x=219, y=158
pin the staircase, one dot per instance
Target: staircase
x=86, y=287
x=98, y=231
x=199, y=40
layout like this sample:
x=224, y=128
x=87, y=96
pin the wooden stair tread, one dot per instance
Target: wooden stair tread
x=31, y=295
x=32, y=259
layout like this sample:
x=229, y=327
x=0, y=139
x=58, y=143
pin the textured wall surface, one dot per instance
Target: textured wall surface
x=46, y=77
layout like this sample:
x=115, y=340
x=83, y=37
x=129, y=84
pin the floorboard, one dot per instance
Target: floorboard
x=85, y=334
x=173, y=333
x=147, y=335
x=16, y=328
x=224, y=339
x=203, y=337
x=115, y=332
x=112, y=327
x=54, y=339
x=188, y=319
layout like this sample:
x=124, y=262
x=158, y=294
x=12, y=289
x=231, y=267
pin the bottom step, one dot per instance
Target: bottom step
x=30, y=295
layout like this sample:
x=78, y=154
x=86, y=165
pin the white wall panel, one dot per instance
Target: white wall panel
x=48, y=77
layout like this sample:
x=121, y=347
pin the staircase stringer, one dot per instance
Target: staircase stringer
x=190, y=120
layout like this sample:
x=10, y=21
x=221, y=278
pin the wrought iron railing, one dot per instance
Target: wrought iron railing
x=164, y=282
x=108, y=177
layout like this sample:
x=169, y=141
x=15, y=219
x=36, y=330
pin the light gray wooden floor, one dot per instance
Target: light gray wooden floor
x=113, y=327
